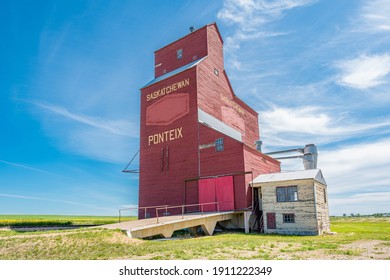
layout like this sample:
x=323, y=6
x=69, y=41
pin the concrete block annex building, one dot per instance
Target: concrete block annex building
x=200, y=147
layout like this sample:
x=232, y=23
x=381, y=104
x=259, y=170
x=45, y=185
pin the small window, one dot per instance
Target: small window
x=324, y=195
x=219, y=145
x=179, y=54
x=216, y=72
x=285, y=194
x=288, y=218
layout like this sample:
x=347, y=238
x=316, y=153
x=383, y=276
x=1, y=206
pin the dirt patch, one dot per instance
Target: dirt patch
x=372, y=249
x=119, y=237
x=358, y=250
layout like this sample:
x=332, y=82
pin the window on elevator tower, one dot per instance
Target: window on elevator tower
x=219, y=145
x=179, y=54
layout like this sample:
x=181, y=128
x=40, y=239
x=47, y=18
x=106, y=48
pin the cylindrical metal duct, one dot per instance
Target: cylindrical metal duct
x=310, y=156
x=258, y=144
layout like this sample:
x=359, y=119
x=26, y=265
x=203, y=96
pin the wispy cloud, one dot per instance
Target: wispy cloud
x=104, y=139
x=323, y=82
x=359, y=167
x=251, y=16
x=365, y=71
x=119, y=127
x=375, y=16
x=362, y=203
x=27, y=167
x=357, y=176
x=287, y=126
x=54, y=200
x=97, y=144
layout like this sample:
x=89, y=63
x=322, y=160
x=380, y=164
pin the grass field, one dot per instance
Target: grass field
x=51, y=220
x=356, y=238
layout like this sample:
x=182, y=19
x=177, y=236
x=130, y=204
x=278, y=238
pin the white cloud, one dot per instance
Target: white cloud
x=249, y=14
x=97, y=144
x=359, y=167
x=250, y=18
x=26, y=167
x=364, y=71
x=357, y=176
x=366, y=197
x=281, y=126
x=97, y=138
x=119, y=127
x=362, y=203
x=91, y=206
x=375, y=16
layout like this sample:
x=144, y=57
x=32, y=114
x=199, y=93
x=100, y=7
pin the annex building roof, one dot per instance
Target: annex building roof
x=314, y=174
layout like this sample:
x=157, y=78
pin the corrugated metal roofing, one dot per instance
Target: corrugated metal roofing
x=315, y=174
x=216, y=124
x=174, y=72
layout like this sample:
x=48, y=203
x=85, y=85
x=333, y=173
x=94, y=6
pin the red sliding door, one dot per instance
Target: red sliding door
x=219, y=190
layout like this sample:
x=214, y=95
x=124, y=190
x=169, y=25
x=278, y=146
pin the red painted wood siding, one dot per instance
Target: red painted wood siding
x=258, y=163
x=216, y=98
x=207, y=195
x=166, y=59
x=191, y=196
x=212, y=163
x=157, y=186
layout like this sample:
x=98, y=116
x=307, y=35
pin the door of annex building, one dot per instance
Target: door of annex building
x=218, y=192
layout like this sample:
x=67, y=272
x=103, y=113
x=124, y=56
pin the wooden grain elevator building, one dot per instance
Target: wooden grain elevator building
x=197, y=138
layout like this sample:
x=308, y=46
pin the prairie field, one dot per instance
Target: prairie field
x=56, y=220
x=366, y=238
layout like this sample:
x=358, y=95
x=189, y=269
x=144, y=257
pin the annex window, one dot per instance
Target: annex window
x=219, y=145
x=284, y=194
x=179, y=54
x=288, y=218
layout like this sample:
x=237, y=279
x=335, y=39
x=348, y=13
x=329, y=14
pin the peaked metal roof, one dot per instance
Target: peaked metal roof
x=315, y=174
x=216, y=124
x=174, y=72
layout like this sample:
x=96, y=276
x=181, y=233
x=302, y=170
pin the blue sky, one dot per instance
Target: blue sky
x=316, y=71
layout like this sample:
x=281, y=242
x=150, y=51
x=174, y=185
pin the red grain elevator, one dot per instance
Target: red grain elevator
x=196, y=136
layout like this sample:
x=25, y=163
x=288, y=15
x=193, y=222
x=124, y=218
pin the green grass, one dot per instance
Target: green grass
x=362, y=228
x=93, y=243
x=56, y=220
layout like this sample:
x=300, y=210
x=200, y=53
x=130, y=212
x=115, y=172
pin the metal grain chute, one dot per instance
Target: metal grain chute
x=309, y=154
